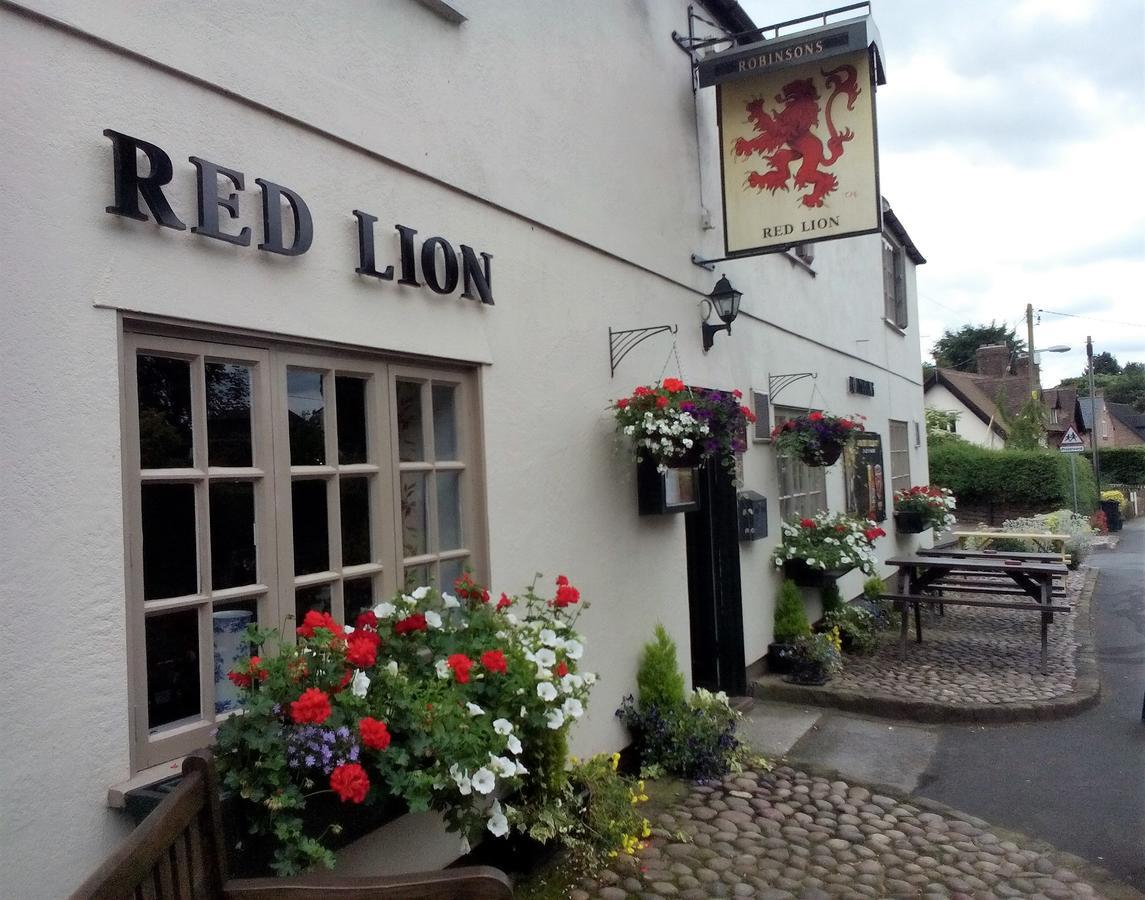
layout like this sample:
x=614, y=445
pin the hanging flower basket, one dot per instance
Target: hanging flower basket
x=910, y=523
x=816, y=438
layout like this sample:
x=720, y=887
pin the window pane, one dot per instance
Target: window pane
x=451, y=570
x=357, y=597
x=170, y=557
x=306, y=409
x=416, y=576
x=311, y=531
x=317, y=598
x=411, y=443
x=232, y=535
x=355, y=521
x=228, y=415
x=444, y=422
x=172, y=667
x=165, y=440
x=449, y=511
x=230, y=647
x=351, y=393
x=415, y=523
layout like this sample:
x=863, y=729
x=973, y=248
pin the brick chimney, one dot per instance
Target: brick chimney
x=1022, y=368
x=993, y=360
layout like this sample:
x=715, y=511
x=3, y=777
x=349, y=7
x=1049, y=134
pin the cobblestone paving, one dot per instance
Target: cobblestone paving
x=972, y=655
x=786, y=834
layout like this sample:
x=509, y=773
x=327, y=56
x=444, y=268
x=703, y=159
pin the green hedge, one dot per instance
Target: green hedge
x=1038, y=478
x=1121, y=465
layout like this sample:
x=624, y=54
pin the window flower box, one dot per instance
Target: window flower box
x=923, y=506
x=819, y=550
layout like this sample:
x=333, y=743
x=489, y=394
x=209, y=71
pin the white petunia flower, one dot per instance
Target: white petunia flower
x=574, y=649
x=524, y=711
x=548, y=637
x=511, y=619
x=432, y=619
x=360, y=683
x=544, y=674
x=384, y=610
x=474, y=709
x=450, y=601
x=502, y=726
x=348, y=630
x=442, y=668
x=589, y=678
x=483, y=781
x=514, y=744
x=571, y=682
x=504, y=766
x=498, y=825
x=392, y=667
x=419, y=593
x=465, y=848
x=521, y=770
x=546, y=691
x=406, y=598
x=464, y=784
x=555, y=719
x=545, y=657
x=572, y=707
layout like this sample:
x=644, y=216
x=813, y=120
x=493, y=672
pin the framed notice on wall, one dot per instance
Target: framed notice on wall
x=863, y=471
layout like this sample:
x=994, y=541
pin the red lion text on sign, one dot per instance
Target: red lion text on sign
x=785, y=135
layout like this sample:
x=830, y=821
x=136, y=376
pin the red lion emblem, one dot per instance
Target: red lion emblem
x=785, y=136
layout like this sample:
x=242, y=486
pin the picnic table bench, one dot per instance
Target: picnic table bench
x=179, y=852
x=920, y=572
x=1057, y=541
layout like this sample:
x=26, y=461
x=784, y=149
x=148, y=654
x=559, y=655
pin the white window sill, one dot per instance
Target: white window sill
x=117, y=793
x=893, y=327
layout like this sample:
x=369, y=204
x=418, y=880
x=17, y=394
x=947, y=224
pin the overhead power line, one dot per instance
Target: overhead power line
x=1050, y=312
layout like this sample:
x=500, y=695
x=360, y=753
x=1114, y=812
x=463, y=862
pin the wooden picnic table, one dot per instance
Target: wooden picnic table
x=919, y=572
x=1058, y=541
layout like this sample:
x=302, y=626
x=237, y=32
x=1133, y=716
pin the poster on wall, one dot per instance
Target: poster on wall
x=863, y=472
x=798, y=147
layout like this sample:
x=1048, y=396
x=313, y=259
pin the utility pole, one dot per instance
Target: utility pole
x=1034, y=386
x=1093, y=416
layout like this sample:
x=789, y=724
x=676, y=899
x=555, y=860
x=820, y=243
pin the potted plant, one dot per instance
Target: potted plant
x=923, y=506
x=856, y=627
x=790, y=625
x=672, y=425
x=817, y=658
x=815, y=551
x=816, y=438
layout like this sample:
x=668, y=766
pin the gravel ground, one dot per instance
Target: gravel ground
x=787, y=834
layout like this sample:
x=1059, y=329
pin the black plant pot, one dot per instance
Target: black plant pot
x=910, y=522
x=806, y=576
x=807, y=672
x=1112, y=510
x=780, y=657
x=827, y=454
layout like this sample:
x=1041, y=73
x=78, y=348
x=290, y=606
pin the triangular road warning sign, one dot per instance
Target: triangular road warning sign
x=1071, y=442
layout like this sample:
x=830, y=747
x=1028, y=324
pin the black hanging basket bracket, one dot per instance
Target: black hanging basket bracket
x=776, y=383
x=621, y=343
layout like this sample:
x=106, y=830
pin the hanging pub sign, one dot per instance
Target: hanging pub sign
x=798, y=149
x=863, y=473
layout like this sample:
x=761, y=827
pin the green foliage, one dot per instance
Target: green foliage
x=790, y=616
x=659, y=679
x=1036, y=478
x=958, y=349
x=873, y=587
x=856, y=626
x=1062, y=521
x=1126, y=386
x=941, y=425
x=1105, y=363
x=824, y=648
x=1120, y=465
x=832, y=599
x=1026, y=430
x=691, y=740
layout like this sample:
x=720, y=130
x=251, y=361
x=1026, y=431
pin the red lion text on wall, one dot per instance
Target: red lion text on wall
x=785, y=135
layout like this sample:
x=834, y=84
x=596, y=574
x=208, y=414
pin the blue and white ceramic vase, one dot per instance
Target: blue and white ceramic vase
x=231, y=647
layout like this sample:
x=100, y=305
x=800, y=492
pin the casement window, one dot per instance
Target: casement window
x=900, y=456
x=271, y=480
x=894, y=283
x=802, y=488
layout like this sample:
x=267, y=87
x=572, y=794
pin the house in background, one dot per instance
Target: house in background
x=1111, y=424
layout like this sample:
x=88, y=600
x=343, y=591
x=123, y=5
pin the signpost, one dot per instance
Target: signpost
x=1071, y=444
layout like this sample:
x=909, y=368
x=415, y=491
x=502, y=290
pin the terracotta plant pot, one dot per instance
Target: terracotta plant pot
x=910, y=522
x=806, y=576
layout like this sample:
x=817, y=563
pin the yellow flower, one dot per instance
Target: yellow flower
x=646, y=830
x=615, y=761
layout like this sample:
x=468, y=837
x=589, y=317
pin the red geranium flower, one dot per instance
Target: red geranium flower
x=673, y=385
x=808, y=523
x=566, y=594
x=622, y=403
x=315, y=619
x=366, y=619
x=313, y=706
x=350, y=782
x=493, y=660
x=375, y=734
x=737, y=393
x=460, y=664
x=661, y=402
x=562, y=579
x=245, y=679
x=362, y=649
x=416, y=622
x=815, y=416
x=642, y=391
x=562, y=669
x=504, y=602
x=747, y=413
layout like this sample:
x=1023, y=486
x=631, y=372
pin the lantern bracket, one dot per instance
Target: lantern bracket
x=621, y=343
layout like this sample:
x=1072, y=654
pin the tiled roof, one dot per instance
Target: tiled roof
x=969, y=389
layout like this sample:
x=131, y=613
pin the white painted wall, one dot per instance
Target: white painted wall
x=560, y=141
x=970, y=427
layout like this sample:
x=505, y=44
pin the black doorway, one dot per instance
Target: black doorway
x=715, y=603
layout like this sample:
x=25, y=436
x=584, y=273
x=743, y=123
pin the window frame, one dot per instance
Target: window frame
x=894, y=283
x=902, y=455
x=793, y=472
x=269, y=359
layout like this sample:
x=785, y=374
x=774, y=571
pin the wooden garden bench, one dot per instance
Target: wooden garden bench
x=179, y=852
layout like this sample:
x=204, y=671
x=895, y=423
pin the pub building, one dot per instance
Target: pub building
x=300, y=309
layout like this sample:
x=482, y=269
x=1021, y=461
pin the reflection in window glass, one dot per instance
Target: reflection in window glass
x=451, y=570
x=316, y=598
x=351, y=395
x=417, y=576
x=415, y=522
x=170, y=557
x=232, y=535
x=444, y=422
x=165, y=440
x=311, y=531
x=355, y=521
x=357, y=597
x=306, y=408
x=172, y=667
x=411, y=441
x=448, y=511
x=228, y=414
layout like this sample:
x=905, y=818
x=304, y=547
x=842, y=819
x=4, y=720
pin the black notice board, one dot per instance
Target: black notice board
x=865, y=474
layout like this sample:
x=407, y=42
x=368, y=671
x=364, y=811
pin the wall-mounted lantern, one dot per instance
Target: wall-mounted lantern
x=724, y=299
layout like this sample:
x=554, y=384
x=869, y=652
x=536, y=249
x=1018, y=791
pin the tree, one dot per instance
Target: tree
x=1026, y=430
x=1127, y=386
x=1105, y=363
x=957, y=349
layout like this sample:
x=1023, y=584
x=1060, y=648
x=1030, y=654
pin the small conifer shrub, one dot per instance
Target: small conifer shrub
x=659, y=679
x=790, y=616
